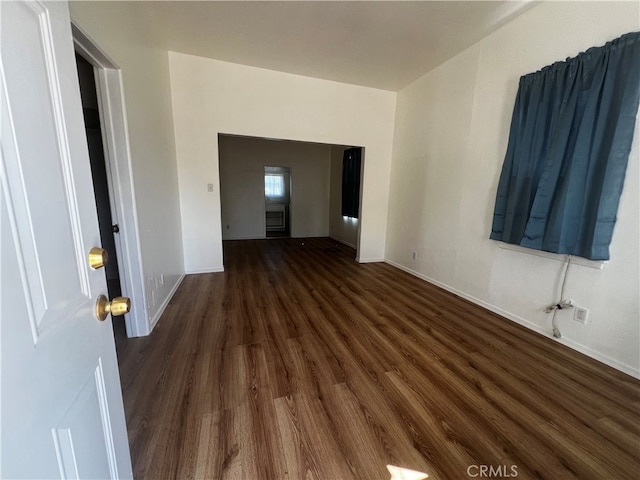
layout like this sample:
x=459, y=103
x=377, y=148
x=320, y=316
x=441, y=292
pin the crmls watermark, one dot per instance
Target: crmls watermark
x=492, y=471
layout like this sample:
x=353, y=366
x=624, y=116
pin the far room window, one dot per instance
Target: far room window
x=274, y=186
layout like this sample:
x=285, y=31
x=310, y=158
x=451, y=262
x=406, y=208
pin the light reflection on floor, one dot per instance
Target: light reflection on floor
x=399, y=473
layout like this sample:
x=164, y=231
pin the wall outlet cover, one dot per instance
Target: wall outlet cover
x=581, y=314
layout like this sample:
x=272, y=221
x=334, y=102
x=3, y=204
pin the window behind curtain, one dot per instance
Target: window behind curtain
x=351, y=166
x=571, y=134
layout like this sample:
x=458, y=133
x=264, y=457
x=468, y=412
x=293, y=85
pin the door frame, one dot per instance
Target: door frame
x=288, y=222
x=113, y=124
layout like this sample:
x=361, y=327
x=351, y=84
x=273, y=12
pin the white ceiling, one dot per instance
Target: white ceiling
x=384, y=45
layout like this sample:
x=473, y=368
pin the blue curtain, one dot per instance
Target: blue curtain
x=571, y=133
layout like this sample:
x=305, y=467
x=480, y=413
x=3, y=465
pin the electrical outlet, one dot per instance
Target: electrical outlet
x=581, y=314
x=414, y=255
x=209, y=187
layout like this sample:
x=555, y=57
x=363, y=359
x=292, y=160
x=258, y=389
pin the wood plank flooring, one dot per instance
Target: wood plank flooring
x=299, y=363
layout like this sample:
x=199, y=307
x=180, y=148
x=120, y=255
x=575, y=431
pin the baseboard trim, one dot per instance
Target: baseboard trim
x=205, y=270
x=624, y=368
x=370, y=260
x=250, y=237
x=165, y=303
x=343, y=242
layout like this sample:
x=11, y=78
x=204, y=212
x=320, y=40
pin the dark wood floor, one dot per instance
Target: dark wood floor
x=299, y=363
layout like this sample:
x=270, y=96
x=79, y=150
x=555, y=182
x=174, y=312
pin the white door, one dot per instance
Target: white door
x=61, y=403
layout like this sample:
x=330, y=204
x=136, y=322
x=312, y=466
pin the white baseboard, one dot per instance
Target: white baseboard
x=370, y=260
x=205, y=270
x=629, y=370
x=164, y=304
x=343, y=242
x=250, y=237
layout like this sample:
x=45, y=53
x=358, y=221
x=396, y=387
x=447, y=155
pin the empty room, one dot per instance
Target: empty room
x=324, y=240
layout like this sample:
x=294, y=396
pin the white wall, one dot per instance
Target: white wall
x=451, y=134
x=118, y=29
x=211, y=97
x=242, y=162
x=343, y=229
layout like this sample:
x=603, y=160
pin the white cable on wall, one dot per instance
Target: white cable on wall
x=562, y=303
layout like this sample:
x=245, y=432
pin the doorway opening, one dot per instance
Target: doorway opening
x=112, y=125
x=277, y=201
x=100, y=176
x=273, y=187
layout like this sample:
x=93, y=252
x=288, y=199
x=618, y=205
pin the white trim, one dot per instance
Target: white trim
x=257, y=237
x=63, y=146
x=26, y=255
x=101, y=390
x=597, y=264
x=89, y=49
x=166, y=301
x=370, y=260
x=65, y=453
x=198, y=271
x=117, y=138
x=629, y=370
x=115, y=133
x=343, y=242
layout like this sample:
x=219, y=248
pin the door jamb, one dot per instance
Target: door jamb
x=115, y=134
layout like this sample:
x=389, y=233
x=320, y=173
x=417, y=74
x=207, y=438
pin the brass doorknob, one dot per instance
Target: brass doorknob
x=98, y=257
x=115, y=307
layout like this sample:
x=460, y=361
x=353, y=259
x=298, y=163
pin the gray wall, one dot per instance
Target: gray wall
x=242, y=162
